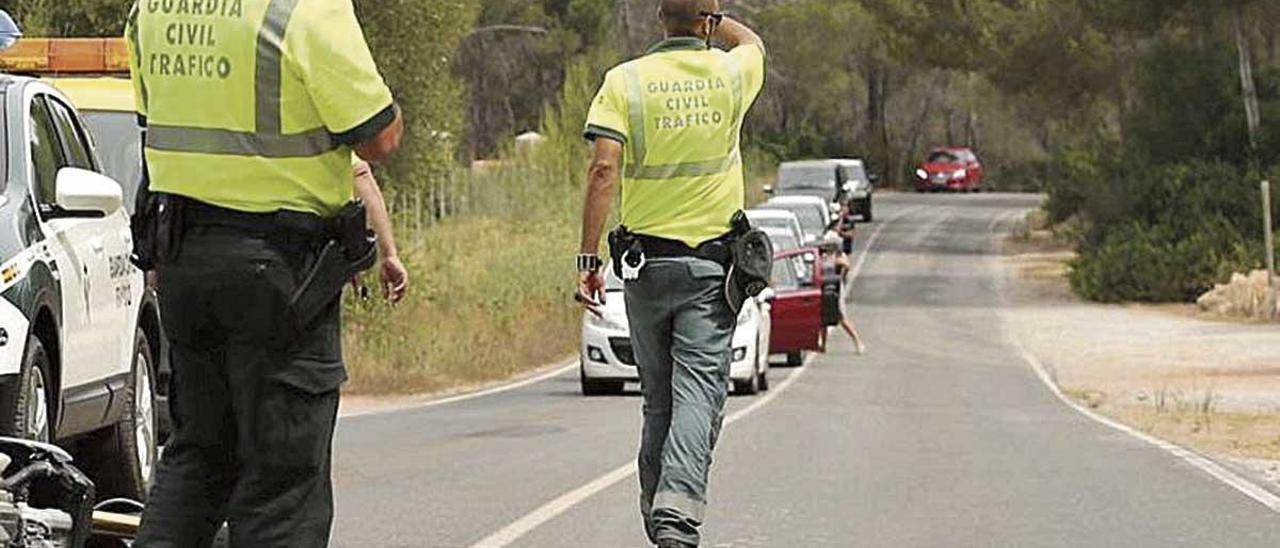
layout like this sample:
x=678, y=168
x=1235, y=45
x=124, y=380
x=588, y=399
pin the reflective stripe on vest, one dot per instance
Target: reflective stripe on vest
x=639, y=169
x=267, y=140
x=133, y=37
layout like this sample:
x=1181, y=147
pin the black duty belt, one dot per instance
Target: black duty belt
x=716, y=250
x=293, y=222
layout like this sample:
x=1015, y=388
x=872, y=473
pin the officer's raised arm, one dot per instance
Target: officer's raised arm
x=732, y=34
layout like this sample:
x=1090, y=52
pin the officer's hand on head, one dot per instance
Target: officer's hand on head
x=591, y=291
x=395, y=279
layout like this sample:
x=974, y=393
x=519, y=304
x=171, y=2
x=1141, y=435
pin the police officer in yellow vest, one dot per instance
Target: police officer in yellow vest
x=668, y=126
x=252, y=109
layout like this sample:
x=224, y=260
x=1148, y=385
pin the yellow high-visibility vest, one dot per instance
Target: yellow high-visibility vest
x=678, y=111
x=253, y=104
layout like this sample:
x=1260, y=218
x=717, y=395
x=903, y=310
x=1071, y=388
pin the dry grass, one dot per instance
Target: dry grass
x=490, y=300
x=1192, y=419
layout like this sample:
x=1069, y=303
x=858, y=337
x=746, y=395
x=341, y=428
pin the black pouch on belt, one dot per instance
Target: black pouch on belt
x=157, y=230
x=351, y=249
x=752, y=265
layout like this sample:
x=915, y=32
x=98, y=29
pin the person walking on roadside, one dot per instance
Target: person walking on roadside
x=251, y=119
x=847, y=229
x=667, y=126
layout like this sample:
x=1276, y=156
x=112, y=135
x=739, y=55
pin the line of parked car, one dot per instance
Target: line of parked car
x=791, y=317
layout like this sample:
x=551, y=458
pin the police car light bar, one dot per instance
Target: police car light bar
x=66, y=56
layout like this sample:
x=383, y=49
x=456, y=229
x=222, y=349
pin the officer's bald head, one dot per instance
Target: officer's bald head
x=684, y=17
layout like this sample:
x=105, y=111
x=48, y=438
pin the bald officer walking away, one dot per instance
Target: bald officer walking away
x=668, y=125
x=252, y=109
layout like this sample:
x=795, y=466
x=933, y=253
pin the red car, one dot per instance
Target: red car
x=797, y=305
x=952, y=168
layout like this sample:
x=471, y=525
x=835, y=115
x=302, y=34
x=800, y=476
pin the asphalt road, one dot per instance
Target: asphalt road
x=942, y=436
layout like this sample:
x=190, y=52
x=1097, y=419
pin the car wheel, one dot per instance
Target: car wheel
x=866, y=211
x=795, y=359
x=749, y=387
x=599, y=388
x=763, y=378
x=130, y=449
x=26, y=398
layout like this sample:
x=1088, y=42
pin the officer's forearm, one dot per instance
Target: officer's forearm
x=601, y=180
x=733, y=34
x=376, y=212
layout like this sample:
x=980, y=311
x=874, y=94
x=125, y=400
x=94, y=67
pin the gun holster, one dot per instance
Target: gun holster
x=157, y=228
x=622, y=241
x=351, y=248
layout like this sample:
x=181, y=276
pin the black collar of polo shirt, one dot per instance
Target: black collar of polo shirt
x=679, y=43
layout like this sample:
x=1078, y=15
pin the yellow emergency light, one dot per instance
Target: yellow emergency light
x=66, y=56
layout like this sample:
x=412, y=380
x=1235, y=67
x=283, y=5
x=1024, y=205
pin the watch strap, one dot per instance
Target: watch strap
x=589, y=262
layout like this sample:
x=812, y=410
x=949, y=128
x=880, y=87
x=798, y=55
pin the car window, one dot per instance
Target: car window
x=810, y=218
x=784, y=275
x=119, y=144
x=819, y=176
x=942, y=158
x=75, y=142
x=46, y=154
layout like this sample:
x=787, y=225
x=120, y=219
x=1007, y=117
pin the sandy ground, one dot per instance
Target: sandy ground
x=1207, y=383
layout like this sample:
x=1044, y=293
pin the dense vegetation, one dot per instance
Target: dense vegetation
x=1131, y=114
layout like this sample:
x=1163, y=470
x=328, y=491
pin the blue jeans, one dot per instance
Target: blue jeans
x=682, y=331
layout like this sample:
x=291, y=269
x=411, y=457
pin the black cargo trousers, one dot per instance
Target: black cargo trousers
x=254, y=400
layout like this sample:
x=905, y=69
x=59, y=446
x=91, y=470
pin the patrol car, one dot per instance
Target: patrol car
x=79, y=330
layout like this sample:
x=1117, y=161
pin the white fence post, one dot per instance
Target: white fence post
x=1269, y=239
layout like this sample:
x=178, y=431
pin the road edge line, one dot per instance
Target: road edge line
x=561, y=504
x=1205, y=464
x=505, y=386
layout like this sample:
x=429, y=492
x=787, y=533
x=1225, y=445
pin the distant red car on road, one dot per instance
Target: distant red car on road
x=797, y=305
x=950, y=168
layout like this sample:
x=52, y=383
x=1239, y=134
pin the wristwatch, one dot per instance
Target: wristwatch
x=589, y=262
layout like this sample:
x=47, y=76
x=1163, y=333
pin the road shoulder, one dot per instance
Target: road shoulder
x=358, y=404
x=1209, y=385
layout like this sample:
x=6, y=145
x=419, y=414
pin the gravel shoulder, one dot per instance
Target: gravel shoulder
x=1202, y=382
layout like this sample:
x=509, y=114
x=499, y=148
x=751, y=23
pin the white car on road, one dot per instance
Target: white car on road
x=814, y=214
x=779, y=219
x=608, y=361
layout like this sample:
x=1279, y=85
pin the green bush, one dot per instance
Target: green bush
x=1168, y=235
x=1155, y=263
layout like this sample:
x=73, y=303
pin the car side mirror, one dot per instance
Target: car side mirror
x=767, y=296
x=873, y=178
x=768, y=189
x=84, y=191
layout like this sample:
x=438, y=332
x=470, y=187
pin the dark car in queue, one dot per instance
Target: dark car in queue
x=818, y=178
x=857, y=187
x=955, y=169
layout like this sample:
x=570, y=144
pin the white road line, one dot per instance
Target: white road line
x=557, y=371
x=1205, y=464
x=561, y=504
x=1236, y=481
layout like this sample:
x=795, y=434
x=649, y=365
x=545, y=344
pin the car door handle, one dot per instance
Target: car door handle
x=97, y=246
